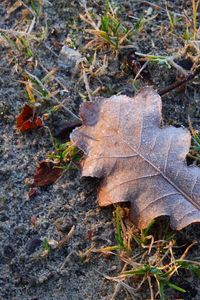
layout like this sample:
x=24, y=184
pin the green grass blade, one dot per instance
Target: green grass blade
x=176, y=287
x=118, y=237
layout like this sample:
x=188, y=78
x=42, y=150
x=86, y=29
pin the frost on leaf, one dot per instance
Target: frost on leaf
x=138, y=160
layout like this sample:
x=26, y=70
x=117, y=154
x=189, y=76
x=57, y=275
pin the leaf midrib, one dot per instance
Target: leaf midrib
x=165, y=177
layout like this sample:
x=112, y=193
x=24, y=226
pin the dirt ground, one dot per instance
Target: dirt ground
x=71, y=201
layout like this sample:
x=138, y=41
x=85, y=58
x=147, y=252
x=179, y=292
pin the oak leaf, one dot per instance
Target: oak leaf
x=138, y=160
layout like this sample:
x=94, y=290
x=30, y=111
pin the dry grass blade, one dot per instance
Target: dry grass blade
x=155, y=265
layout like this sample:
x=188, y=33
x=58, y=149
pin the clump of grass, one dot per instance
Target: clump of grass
x=23, y=39
x=108, y=31
x=18, y=43
x=173, y=19
x=191, y=32
x=146, y=259
x=37, y=90
x=45, y=91
x=65, y=155
x=190, y=50
x=188, y=24
x=194, y=153
x=22, y=46
x=92, y=68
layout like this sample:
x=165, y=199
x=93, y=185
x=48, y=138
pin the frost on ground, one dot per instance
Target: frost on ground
x=29, y=270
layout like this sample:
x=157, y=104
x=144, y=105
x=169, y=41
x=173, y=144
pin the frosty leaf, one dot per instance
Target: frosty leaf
x=139, y=161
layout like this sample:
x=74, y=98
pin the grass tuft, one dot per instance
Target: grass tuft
x=147, y=258
x=108, y=31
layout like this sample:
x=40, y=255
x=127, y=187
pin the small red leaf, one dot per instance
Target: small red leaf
x=46, y=173
x=27, y=113
x=27, y=119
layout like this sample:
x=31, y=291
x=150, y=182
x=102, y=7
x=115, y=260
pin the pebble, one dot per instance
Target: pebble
x=68, y=58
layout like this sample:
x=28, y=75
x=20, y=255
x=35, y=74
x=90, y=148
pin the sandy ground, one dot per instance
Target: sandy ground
x=71, y=201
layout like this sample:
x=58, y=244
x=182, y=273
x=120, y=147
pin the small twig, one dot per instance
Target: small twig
x=141, y=69
x=178, y=67
x=177, y=84
x=67, y=237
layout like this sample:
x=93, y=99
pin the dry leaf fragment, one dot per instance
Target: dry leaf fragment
x=27, y=119
x=46, y=173
x=32, y=192
x=139, y=161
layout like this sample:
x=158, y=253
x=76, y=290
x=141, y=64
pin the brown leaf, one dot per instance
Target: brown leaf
x=27, y=119
x=138, y=160
x=46, y=173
